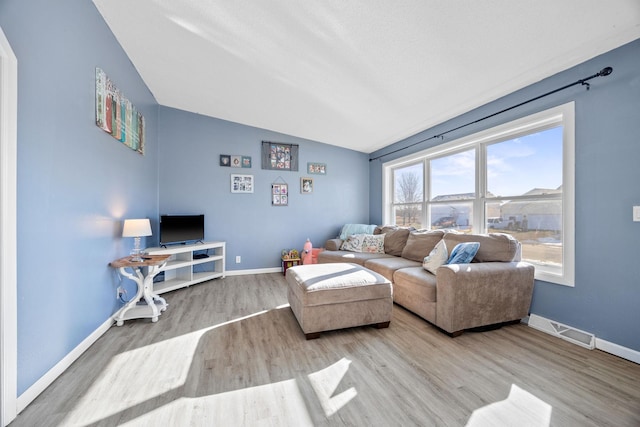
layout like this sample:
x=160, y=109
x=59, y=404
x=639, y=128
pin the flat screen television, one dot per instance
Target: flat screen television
x=181, y=228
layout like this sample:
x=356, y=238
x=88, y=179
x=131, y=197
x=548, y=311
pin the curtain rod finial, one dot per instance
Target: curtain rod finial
x=605, y=71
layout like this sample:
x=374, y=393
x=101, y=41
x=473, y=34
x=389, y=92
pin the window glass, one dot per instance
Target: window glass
x=457, y=216
x=409, y=215
x=453, y=177
x=528, y=163
x=537, y=224
x=408, y=184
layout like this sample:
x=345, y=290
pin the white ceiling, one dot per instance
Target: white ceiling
x=359, y=74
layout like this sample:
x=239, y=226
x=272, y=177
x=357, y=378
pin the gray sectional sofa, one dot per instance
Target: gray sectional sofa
x=495, y=288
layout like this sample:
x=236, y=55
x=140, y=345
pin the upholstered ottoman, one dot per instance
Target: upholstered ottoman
x=325, y=297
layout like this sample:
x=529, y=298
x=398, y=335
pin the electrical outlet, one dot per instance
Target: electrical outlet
x=636, y=213
x=238, y=259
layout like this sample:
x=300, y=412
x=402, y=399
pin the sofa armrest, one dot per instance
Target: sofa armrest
x=481, y=294
x=333, y=244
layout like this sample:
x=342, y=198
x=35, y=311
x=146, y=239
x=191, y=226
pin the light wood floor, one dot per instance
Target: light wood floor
x=229, y=352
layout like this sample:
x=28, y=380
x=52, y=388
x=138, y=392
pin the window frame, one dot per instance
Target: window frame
x=563, y=115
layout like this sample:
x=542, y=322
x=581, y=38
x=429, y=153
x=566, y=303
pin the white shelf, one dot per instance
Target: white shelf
x=179, y=270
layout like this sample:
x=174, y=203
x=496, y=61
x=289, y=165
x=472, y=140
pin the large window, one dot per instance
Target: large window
x=517, y=178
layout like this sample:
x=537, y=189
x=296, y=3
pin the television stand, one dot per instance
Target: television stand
x=179, y=269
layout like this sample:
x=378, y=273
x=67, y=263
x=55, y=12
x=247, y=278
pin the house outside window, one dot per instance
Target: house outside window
x=516, y=178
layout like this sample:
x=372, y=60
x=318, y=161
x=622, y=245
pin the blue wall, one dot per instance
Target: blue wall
x=606, y=295
x=75, y=182
x=191, y=181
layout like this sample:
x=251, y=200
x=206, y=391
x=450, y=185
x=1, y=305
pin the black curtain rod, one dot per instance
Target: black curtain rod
x=604, y=72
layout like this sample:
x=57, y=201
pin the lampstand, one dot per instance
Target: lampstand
x=136, y=228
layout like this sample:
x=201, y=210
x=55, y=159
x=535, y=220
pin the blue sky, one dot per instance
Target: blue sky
x=518, y=165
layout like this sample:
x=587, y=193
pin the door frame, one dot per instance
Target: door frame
x=8, y=232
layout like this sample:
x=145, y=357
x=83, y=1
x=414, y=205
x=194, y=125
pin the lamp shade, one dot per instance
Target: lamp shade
x=136, y=228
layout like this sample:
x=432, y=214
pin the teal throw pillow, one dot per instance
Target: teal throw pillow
x=463, y=253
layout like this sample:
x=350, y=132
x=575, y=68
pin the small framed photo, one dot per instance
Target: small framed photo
x=225, y=160
x=317, y=168
x=306, y=185
x=241, y=183
x=279, y=194
x=236, y=161
x=246, y=161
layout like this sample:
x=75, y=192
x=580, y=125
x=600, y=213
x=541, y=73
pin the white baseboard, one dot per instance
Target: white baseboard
x=606, y=346
x=254, y=271
x=618, y=350
x=45, y=381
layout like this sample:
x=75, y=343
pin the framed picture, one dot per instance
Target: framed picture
x=278, y=156
x=236, y=161
x=246, y=161
x=317, y=168
x=241, y=183
x=225, y=160
x=279, y=194
x=306, y=185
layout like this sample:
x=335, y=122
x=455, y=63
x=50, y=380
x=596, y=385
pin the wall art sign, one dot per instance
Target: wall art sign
x=241, y=183
x=116, y=115
x=278, y=156
x=317, y=168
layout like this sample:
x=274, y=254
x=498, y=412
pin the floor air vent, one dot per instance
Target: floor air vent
x=576, y=336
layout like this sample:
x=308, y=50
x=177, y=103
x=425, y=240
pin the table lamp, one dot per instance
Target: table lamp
x=136, y=228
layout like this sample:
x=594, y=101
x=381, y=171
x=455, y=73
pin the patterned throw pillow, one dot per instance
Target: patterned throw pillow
x=373, y=243
x=437, y=257
x=353, y=243
x=463, y=253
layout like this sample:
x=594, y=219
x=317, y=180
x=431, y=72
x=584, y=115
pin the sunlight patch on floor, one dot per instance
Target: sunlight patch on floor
x=133, y=377
x=325, y=383
x=135, y=373
x=520, y=408
x=279, y=403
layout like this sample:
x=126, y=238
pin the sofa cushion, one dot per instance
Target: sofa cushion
x=494, y=247
x=387, y=266
x=420, y=281
x=463, y=253
x=364, y=243
x=437, y=257
x=353, y=243
x=421, y=243
x=325, y=257
x=395, y=238
x=321, y=284
x=373, y=243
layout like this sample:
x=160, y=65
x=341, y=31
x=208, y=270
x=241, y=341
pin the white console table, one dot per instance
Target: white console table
x=154, y=304
x=185, y=268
